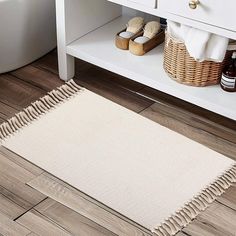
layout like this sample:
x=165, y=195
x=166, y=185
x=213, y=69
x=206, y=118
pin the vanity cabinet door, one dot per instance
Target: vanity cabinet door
x=219, y=13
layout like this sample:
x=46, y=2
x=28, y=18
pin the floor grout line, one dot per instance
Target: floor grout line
x=30, y=209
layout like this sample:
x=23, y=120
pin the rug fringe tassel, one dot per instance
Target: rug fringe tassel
x=192, y=209
x=38, y=108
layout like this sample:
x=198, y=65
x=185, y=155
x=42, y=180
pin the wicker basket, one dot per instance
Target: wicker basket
x=183, y=68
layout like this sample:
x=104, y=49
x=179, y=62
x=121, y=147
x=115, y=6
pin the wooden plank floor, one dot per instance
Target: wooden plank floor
x=33, y=202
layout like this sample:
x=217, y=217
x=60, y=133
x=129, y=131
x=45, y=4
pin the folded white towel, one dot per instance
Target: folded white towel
x=200, y=44
x=174, y=29
x=216, y=48
x=196, y=41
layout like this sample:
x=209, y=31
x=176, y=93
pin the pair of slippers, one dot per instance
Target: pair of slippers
x=138, y=37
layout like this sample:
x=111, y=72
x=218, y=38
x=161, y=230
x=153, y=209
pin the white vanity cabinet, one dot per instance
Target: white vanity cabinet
x=148, y=3
x=142, y=5
x=86, y=29
x=214, y=12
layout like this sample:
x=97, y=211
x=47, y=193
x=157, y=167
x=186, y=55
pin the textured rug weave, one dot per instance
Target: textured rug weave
x=148, y=173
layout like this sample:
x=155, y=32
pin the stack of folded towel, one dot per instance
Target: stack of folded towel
x=200, y=44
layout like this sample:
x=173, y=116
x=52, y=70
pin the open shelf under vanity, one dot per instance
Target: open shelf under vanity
x=96, y=45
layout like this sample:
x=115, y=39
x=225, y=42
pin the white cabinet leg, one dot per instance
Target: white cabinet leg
x=66, y=66
x=65, y=62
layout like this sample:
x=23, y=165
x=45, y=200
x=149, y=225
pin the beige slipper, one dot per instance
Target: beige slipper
x=134, y=27
x=149, y=38
x=151, y=29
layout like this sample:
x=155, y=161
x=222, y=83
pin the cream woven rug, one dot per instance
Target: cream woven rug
x=148, y=173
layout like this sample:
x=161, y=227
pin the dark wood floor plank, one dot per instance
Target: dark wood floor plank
x=48, y=62
x=19, y=161
x=196, y=110
x=11, y=169
x=17, y=93
x=113, y=87
x=16, y=199
x=197, y=228
x=6, y=112
x=193, y=115
x=169, y=120
x=89, y=199
x=9, y=208
x=9, y=227
x=86, y=70
x=42, y=79
x=229, y=198
x=219, y=217
x=13, y=179
x=70, y=220
x=41, y=225
x=116, y=94
x=73, y=199
x=19, y=192
x=2, y=120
